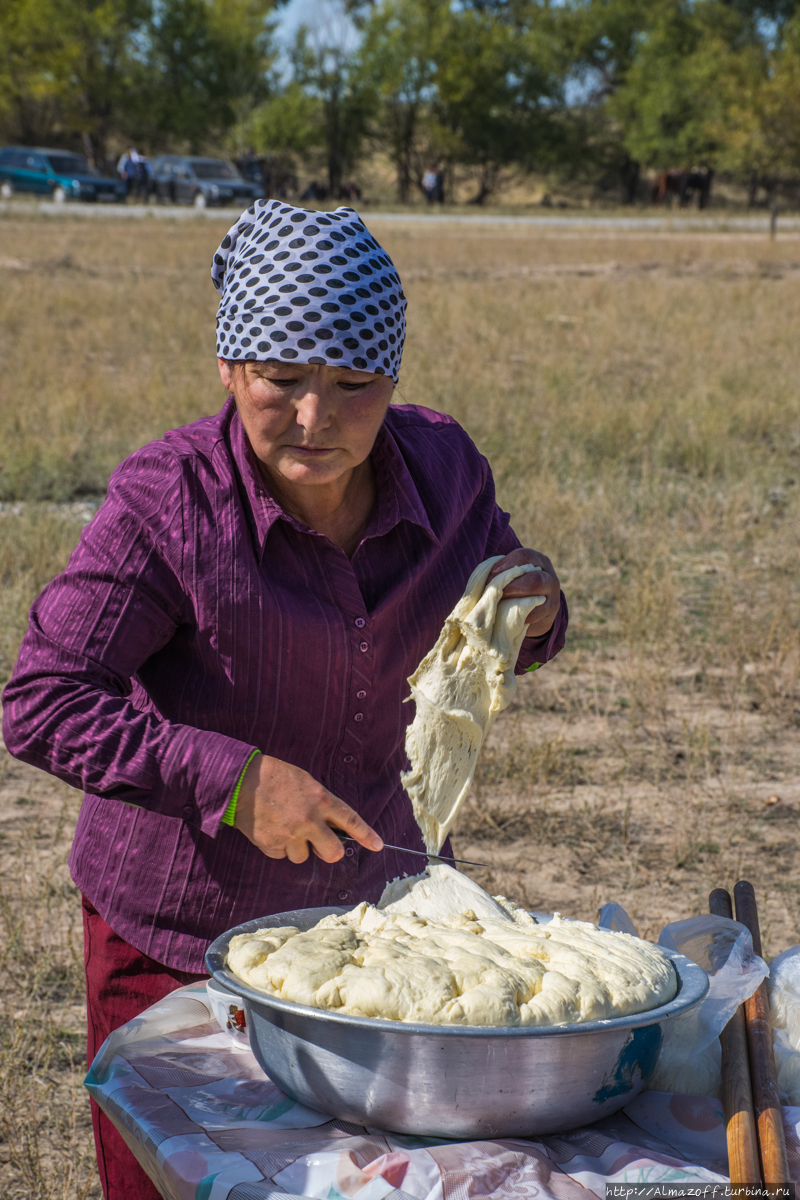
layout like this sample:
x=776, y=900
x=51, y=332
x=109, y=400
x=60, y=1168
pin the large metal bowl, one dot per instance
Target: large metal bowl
x=452, y=1081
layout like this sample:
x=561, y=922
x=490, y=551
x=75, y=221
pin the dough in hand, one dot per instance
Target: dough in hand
x=459, y=688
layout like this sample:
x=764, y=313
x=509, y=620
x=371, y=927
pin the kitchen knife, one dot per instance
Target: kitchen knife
x=434, y=858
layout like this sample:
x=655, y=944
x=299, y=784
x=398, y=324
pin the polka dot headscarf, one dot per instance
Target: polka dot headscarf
x=308, y=286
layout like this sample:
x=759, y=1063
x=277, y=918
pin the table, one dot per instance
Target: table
x=197, y=1111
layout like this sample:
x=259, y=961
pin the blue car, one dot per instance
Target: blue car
x=58, y=174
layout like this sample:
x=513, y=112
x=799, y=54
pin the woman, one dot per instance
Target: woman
x=223, y=663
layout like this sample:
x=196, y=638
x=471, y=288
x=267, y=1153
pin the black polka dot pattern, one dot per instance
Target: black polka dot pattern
x=300, y=285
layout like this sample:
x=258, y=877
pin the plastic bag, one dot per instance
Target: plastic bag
x=784, y=1005
x=690, y=1057
x=689, y=1062
x=613, y=916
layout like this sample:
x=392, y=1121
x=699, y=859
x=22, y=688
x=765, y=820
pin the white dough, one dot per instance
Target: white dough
x=441, y=891
x=496, y=968
x=459, y=688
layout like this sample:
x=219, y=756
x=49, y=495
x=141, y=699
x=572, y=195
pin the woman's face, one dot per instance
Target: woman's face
x=308, y=424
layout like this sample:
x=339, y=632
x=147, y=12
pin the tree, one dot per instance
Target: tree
x=326, y=105
x=65, y=68
x=498, y=94
x=398, y=54
x=652, y=75
x=474, y=84
x=34, y=78
x=670, y=96
x=758, y=125
x=776, y=12
x=167, y=72
x=204, y=67
x=329, y=73
x=598, y=42
x=290, y=120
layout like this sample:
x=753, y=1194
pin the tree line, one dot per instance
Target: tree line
x=595, y=91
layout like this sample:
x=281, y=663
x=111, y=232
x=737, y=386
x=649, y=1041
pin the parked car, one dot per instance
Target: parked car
x=200, y=181
x=55, y=173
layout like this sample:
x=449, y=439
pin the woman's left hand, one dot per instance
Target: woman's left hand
x=533, y=583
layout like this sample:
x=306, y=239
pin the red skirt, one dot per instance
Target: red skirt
x=120, y=983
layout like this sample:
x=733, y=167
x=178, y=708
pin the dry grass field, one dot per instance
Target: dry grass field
x=637, y=396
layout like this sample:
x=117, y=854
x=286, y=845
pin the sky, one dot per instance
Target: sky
x=296, y=13
x=325, y=18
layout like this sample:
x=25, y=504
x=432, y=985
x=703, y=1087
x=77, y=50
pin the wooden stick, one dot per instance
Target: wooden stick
x=737, y=1099
x=769, y=1118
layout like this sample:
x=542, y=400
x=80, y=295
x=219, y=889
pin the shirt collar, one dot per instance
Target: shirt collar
x=397, y=495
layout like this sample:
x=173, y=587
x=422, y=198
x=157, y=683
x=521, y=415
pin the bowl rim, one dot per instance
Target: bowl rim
x=693, y=985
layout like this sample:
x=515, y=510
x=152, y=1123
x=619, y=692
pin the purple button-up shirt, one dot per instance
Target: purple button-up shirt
x=196, y=622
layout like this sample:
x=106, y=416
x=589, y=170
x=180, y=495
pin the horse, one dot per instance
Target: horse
x=683, y=182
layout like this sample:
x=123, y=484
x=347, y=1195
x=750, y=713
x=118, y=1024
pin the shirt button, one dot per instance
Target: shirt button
x=348, y=758
x=344, y=895
x=360, y=622
x=363, y=647
x=360, y=695
x=349, y=852
x=188, y=810
x=358, y=717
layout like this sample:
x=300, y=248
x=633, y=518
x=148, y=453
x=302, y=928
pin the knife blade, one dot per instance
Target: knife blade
x=434, y=858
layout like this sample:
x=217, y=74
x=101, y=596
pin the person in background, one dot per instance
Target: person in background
x=127, y=169
x=222, y=667
x=251, y=167
x=438, y=186
x=142, y=174
x=433, y=185
x=315, y=191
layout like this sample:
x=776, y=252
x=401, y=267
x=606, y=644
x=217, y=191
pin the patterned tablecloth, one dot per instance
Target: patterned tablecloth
x=197, y=1111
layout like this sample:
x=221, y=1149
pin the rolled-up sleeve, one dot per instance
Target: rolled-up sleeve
x=68, y=709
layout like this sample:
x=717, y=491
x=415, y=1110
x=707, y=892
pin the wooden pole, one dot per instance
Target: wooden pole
x=737, y=1098
x=769, y=1118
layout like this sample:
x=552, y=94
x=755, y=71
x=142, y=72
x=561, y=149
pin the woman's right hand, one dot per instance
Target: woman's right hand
x=283, y=810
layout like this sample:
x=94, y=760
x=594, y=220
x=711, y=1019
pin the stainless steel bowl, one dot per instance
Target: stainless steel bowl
x=451, y=1081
